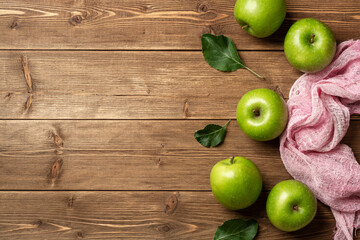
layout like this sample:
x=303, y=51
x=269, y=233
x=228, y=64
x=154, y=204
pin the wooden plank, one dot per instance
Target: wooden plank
x=126, y=155
x=134, y=215
x=152, y=24
x=131, y=85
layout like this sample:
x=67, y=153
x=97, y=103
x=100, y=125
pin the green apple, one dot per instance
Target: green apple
x=236, y=182
x=309, y=45
x=260, y=18
x=262, y=114
x=291, y=205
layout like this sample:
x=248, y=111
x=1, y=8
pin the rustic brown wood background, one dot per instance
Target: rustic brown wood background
x=99, y=102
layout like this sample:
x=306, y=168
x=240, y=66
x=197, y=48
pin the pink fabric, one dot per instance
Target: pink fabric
x=320, y=106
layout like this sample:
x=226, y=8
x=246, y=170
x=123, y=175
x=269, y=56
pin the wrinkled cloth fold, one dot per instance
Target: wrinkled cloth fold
x=320, y=105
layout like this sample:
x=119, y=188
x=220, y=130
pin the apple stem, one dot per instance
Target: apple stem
x=256, y=74
x=232, y=159
x=256, y=112
x=245, y=26
x=312, y=38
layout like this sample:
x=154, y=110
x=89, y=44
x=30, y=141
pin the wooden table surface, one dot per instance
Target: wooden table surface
x=99, y=102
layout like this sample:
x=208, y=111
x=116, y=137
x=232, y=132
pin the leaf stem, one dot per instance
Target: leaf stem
x=227, y=123
x=256, y=74
x=245, y=26
x=232, y=159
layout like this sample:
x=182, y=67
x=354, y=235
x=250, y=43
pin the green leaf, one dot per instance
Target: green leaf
x=237, y=229
x=220, y=53
x=212, y=135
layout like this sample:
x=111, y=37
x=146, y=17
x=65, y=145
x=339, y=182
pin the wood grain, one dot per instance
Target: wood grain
x=127, y=155
x=152, y=24
x=134, y=215
x=97, y=115
x=130, y=85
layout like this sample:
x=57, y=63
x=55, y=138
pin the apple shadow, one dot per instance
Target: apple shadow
x=322, y=223
x=279, y=35
x=275, y=143
x=258, y=209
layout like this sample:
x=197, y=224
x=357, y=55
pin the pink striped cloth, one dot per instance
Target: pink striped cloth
x=320, y=106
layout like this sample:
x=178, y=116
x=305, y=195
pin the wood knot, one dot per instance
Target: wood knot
x=38, y=224
x=56, y=168
x=158, y=162
x=163, y=228
x=71, y=202
x=8, y=95
x=79, y=235
x=26, y=70
x=147, y=8
x=58, y=152
x=14, y=25
x=76, y=20
x=186, y=108
x=28, y=103
x=203, y=7
x=209, y=29
x=58, y=141
x=171, y=204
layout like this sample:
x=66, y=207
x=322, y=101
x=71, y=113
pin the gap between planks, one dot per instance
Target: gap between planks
x=353, y=118
x=108, y=190
x=127, y=50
